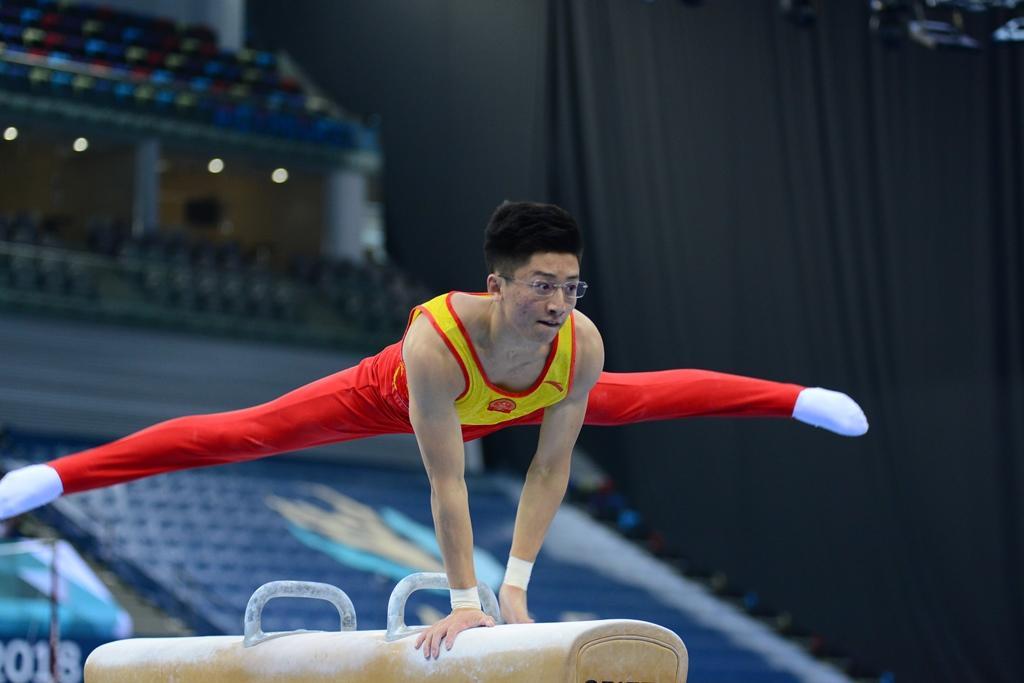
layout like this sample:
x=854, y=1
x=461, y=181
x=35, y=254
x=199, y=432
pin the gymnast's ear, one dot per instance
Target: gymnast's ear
x=495, y=284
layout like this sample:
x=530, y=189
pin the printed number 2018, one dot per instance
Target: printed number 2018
x=25, y=662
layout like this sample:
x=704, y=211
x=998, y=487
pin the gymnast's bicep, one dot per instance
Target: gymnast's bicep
x=434, y=381
x=589, y=357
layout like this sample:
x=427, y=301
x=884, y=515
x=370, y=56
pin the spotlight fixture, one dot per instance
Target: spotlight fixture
x=215, y=165
x=80, y=145
x=10, y=133
x=936, y=35
x=892, y=20
x=974, y=5
x=279, y=175
x=1011, y=32
x=800, y=12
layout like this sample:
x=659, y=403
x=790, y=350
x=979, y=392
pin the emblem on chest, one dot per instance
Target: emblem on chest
x=502, y=405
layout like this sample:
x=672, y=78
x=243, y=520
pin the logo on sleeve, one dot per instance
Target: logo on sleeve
x=502, y=405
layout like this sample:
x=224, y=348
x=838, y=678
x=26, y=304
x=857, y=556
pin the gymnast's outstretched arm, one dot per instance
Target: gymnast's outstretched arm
x=435, y=380
x=548, y=476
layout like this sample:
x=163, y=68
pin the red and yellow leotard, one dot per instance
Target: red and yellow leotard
x=484, y=403
x=371, y=398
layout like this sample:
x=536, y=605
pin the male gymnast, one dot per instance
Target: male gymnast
x=467, y=365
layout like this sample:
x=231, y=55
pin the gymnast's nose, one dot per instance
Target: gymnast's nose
x=558, y=304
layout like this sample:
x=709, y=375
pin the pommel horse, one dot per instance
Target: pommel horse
x=605, y=651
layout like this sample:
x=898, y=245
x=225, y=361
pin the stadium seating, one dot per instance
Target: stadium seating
x=377, y=297
x=117, y=58
x=170, y=279
x=203, y=277
x=25, y=268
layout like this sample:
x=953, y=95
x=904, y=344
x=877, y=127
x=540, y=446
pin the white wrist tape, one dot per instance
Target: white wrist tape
x=464, y=598
x=517, y=572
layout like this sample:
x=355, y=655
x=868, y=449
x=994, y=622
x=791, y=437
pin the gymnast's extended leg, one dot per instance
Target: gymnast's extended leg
x=344, y=406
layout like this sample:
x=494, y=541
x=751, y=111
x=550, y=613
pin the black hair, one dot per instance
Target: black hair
x=518, y=230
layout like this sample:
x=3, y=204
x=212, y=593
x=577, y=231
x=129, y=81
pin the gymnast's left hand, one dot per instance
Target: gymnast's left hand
x=513, y=605
x=448, y=628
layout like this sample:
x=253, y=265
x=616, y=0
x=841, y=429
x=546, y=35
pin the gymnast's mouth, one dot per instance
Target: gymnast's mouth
x=550, y=323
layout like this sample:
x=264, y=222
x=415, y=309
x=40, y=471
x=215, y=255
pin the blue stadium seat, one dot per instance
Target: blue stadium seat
x=107, y=37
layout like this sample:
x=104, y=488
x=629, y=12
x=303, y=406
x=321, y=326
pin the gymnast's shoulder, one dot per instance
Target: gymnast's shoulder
x=429, y=365
x=589, y=354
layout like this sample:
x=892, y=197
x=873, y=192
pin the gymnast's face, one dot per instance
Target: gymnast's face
x=533, y=297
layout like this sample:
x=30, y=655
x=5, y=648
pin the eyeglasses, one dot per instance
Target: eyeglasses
x=543, y=289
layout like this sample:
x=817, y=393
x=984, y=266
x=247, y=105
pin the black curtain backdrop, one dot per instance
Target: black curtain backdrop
x=459, y=87
x=797, y=204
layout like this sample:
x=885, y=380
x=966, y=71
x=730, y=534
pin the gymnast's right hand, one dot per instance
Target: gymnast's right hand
x=27, y=488
x=448, y=628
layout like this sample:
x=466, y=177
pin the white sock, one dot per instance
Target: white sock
x=27, y=488
x=831, y=410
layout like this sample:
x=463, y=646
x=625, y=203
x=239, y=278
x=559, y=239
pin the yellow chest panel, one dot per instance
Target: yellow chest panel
x=483, y=403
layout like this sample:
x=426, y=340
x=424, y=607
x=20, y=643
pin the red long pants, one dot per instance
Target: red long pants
x=364, y=401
